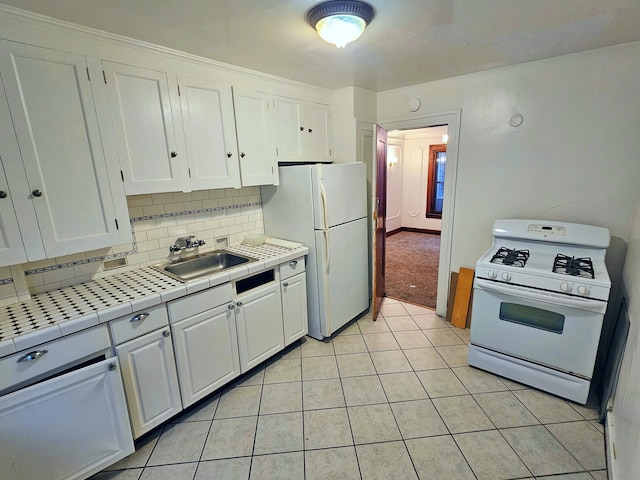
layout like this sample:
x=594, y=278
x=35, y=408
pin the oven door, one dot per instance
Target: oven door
x=554, y=330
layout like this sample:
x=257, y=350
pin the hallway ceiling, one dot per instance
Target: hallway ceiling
x=408, y=41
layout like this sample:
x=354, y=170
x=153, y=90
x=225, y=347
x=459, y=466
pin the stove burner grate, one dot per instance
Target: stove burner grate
x=511, y=256
x=577, y=267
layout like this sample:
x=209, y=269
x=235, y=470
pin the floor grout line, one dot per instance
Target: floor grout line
x=307, y=352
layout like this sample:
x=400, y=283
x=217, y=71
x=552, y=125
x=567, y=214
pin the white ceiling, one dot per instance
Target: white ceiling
x=408, y=41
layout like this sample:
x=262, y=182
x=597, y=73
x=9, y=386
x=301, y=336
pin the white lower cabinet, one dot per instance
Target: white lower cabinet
x=294, y=308
x=150, y=380
x=259, y=322
x=206, y=352
x=70, y=426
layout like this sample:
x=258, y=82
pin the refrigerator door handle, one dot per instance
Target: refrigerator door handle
x=325, y=213
x=327, y=257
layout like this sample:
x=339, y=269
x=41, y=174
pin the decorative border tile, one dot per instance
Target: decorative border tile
x=134, y=244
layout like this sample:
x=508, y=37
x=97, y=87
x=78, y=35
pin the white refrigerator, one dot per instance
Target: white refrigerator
x=324, y=206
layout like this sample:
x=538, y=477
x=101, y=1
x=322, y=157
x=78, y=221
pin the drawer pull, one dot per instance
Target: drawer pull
x=285, y=284
x=166, y=333
x=139, y=317
x=239, y=304
x=293, y=263
x=112, y=367
x=32, y=356
x=231, y=306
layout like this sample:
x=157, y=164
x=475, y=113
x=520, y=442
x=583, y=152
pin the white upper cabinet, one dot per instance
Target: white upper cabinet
x=143, y=123
x=318, y=125
x=258, y=163
x=67, y=184
x=11, y=247
x=209, y=133
x=303, y=130
x=291, y=130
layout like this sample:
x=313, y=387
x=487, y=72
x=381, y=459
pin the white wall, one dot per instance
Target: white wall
x=574, y=158
x=407, y=181
x=415, y=171
x=395, y=149
x=626, y=403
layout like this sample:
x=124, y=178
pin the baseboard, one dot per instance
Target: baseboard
x=416, y=230
x=610, y=446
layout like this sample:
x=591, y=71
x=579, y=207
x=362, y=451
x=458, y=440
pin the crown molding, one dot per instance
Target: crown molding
x=24, y=16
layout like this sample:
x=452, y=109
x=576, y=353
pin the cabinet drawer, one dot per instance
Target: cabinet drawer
x=135, y=324
x=291, y=268
x=199, y=302
x=51, y=357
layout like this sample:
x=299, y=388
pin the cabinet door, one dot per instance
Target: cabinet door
x=143, y=123
x=54, y=117
x=11, y=247
x=210, y=134
x=318, y=132
x=294, y=308
x=258, y=164
x=259, y=320
x=206, y=352
x=71, y=426
x=290, y=129
x=150, y=380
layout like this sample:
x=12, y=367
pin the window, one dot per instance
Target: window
x=435, y=180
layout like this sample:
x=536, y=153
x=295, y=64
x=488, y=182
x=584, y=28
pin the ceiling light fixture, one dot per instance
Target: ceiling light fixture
x=340, y=22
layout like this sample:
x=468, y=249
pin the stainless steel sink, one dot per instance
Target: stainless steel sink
x=200, y=265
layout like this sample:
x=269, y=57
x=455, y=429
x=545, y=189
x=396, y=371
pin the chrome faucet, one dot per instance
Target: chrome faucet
x=182, y=243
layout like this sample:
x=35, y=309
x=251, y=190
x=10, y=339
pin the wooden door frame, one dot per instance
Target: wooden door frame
x=452, y=120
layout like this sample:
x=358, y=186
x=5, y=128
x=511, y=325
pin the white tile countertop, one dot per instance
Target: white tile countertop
x=56, y=313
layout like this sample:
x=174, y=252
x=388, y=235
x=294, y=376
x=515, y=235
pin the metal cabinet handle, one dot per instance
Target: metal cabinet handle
x=302, y=129
x=139, y=317
x=293, y=263
x=239, y=304
x=166, y=333
x=229, y=154
x=285, y=284
x=231, y=306
x=3, y=194
x=36, y=193
x=174, y=154
x=32, y=356
x=310, y=130
x=241, y=154
x=112, y=367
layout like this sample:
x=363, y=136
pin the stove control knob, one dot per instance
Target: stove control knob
x=492, y=274
x=506, y=277
x=583, y=290
x=565, y=287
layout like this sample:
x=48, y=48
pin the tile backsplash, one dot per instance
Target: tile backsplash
x=156, y=221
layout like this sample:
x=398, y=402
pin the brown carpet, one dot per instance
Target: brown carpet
x=411, y=272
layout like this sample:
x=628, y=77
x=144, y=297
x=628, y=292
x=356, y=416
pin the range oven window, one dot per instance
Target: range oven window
x=532, y=317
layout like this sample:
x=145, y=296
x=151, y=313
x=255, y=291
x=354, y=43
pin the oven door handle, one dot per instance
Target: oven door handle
x=586, y=304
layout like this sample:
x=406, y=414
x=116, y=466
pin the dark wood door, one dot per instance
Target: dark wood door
x=380, y=218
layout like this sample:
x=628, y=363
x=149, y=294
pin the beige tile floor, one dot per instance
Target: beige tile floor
x=391, y=399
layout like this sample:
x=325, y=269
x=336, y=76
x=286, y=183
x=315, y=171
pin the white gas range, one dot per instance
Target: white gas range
x=540, y=294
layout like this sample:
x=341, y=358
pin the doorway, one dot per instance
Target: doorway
x=416, y=163
x=452, y=121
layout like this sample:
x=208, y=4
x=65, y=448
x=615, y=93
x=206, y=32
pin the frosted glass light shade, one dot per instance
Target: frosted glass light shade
x=340, y=29
x=340, y=21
